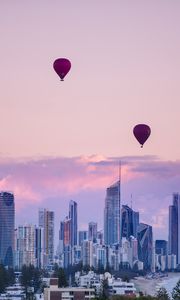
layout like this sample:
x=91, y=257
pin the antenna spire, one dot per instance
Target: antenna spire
x=119, y=170
x=119, y=196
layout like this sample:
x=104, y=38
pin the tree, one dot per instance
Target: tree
x=3, y=279
x=86, y=268
x=176, y=291
x=62, y=282
x=10, y=276
x=162, y=294
x=125, y=278
x=104, y=289
x=30, y=277
x=7, y=277
x=56, y=270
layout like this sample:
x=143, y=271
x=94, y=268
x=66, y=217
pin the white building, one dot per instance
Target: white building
x=116, y=286
x=87, y=253
x=25, y=246
x=119, y=287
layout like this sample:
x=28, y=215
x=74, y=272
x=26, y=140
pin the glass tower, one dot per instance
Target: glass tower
x=46, y=221
x=112, y=215
x=92, y=231
x=130, y=222
x=73, y=222
x=174, y=227
x=7, y=217
x=145, y=245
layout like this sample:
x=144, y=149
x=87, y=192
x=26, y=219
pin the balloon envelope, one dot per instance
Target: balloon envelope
x=62, y=67
x=141, y=133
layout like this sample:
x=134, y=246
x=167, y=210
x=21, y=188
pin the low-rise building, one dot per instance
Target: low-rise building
x=119, y=287
x=68, y=293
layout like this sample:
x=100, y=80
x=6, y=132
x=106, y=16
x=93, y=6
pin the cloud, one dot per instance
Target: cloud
x=51, y=182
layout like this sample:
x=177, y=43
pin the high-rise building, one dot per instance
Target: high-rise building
x=92, y=231
x=83, y=236
x=129, y=221
x=101, y=256
x=73, y=222
x=46, y=221
x=112, y=218
x=61, y=231
x=145, y=245
x=7, y=224
x=25, y=253
x=87, y=253
x=174, y=227
x=161, y=247
x=100, y=237
x=39, y=239
x=67, y=232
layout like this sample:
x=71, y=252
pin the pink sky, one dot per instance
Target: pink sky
x=52, y=182
x=125, y=70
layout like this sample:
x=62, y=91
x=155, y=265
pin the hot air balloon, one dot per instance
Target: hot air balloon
x=62, y=67
x=141, y=133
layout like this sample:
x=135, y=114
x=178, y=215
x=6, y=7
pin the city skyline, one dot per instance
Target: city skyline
x=63, y=140
x=134, y=246
x=51, y=183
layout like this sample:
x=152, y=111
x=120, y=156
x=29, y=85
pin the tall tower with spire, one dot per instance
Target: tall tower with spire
x=112, y=213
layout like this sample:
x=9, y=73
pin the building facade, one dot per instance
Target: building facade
x=145, y=245
x=174, y=227
x=161, y=247
x=83, y=236
x=7, y=224
x=46, y=221
x=92, y=231
x=129, y=221
x=73, y=222
x=25, y=246
x=112, y=216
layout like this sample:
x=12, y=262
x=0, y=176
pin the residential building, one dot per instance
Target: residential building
x=92, y=232
x=83, y=236
x=129, y=221
x=25, y=253
x=87, y=253
x=7, y=227
x=174, y=227
x=73, y=222
x=74, y=293
x=112, y=215
x=145, y=245
x=46, y=221
x=161, y=247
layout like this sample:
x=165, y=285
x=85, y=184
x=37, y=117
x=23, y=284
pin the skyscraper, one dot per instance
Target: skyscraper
x=73, y=222
x=112, y=215
x=39, y=239
x=129, y=221
x=145, y=245
x=46, y=221
x=7, y=220
x=161, y=247
x=174, y=227
x=25, y=249
x=92, y=231
x=83, y=236
x=87, y=253
x=67, y=232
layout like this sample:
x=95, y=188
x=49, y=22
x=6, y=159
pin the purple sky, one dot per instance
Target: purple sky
x=125, y=70
x=52, y=182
